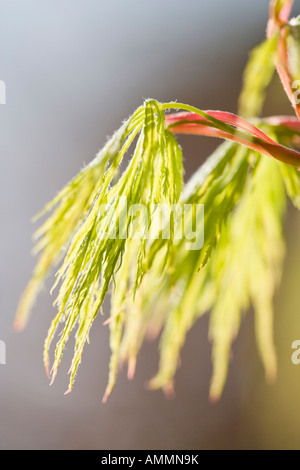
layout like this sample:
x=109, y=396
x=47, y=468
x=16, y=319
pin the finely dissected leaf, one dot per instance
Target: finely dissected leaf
x=288, y=129
x=218, y=185
x=153, y=175
x=70, y=208
x=220, y=248
x=254, y=237
x=257, y=76
x=100, y=251
x=292, y=183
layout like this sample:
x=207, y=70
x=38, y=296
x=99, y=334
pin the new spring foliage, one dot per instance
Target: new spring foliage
x=158, y=286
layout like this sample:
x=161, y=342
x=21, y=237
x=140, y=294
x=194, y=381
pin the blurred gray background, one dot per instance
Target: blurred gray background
x=74, y=70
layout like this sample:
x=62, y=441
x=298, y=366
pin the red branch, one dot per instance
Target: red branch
x=279, y=21
x=243, y=132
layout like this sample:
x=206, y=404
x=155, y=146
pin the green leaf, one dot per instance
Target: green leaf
x=248, y=262
x=257, y=76
x=100, y=243
x=291, y=178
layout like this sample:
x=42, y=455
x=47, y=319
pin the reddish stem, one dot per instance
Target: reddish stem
x=253, y=138
x=280, y=22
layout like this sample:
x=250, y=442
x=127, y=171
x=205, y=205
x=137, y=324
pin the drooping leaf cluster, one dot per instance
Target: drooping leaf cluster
x=161, y=284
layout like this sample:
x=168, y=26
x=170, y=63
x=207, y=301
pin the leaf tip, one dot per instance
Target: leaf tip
x=131, y=368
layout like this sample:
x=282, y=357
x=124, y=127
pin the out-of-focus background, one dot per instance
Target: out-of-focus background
x=74, y=70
